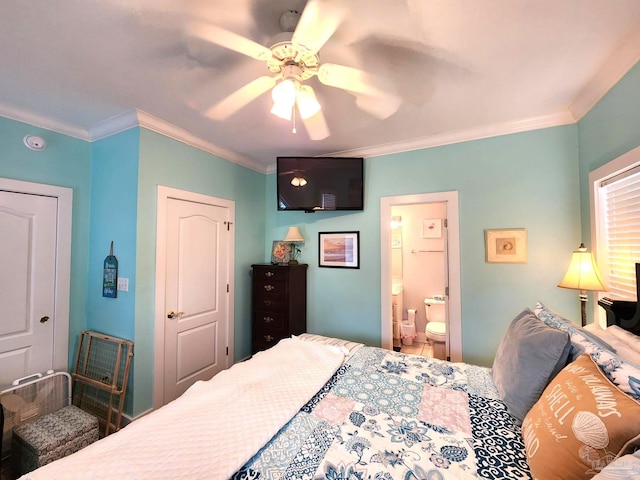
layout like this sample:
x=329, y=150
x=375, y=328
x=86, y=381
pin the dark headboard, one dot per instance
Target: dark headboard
x=623, y=313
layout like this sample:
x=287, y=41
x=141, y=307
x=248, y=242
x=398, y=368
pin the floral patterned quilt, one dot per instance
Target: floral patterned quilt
x=388, y=415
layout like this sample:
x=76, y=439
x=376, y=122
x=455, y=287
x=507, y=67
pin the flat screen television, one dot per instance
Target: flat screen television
x=320, y=183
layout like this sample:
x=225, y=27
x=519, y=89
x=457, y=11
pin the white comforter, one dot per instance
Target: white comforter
x=215, y=427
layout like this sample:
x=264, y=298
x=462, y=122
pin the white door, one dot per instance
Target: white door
x=197, y=244
x=452, y=268
x=27, y=284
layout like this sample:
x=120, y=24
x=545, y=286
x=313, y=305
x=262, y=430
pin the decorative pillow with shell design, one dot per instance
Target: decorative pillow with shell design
x=581, y=423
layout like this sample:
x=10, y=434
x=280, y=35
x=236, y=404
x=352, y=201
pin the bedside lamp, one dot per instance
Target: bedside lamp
x=583, y=275
x=293, y=238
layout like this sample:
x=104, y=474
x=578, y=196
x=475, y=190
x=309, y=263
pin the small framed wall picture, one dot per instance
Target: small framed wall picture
x=432, y=228
x=507, y=245
x=339, y=249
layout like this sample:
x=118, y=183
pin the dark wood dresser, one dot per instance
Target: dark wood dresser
x=279, y=306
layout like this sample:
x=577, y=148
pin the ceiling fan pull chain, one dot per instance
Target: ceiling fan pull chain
x=294, y=120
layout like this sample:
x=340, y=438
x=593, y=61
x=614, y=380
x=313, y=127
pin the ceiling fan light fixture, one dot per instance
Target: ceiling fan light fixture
x=298, y=181
x=308, y=104
x=284, y=93
x=282, y=110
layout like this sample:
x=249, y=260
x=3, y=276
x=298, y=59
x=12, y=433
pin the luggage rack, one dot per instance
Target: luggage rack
x=100, y=377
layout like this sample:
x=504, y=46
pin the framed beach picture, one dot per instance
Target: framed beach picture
x=506, y=245
x=339, y=249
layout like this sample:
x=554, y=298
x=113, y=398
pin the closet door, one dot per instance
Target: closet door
x=27, y=284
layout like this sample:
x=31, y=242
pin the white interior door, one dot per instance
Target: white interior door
x=27, y=284
x=197, y=263
x=454, y=301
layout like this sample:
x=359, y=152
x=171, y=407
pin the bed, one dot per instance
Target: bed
x=314, y=407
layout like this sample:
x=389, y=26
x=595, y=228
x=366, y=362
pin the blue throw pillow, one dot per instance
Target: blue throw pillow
x=529, y=356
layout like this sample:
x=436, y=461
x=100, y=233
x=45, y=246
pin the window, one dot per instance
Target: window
x=615, y=217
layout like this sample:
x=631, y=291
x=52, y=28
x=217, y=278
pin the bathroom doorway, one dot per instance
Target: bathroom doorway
x=420, y=257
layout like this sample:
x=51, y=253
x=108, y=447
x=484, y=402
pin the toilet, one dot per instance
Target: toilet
x=436, y=331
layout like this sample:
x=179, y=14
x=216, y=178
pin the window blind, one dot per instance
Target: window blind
x=621, y=201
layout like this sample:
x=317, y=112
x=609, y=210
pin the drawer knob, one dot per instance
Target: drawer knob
x=268, y=288
x=269, y=274
x=269, y=338
x=268, y=302
x=267, y=319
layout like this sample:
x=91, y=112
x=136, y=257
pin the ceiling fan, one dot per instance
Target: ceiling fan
x=293, y=58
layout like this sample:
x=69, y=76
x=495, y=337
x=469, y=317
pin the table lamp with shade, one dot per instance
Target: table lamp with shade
x=583, y=275
x=294, y=238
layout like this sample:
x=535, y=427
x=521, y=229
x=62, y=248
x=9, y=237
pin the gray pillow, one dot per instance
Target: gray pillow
x=530, y=354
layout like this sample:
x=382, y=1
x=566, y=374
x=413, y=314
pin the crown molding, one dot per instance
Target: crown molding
x=180, y=134
x=125, y=121
x=616, y=67
x=134, y=118
x=41, y=121
x=449, y=138
x=138, y=118
x=114, y=125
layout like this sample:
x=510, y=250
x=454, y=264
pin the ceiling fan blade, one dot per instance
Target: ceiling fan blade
x=351, y=79
x=240, y=98
x=316, y=126
x=319, y=20
x=373, y=93
x=381, y=106
x=230, y=40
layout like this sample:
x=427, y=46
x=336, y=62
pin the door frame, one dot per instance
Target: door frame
x=163, y=196
x=453, y=251
x=62, y=292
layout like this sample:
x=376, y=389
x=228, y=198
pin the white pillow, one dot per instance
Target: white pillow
x=626, y=344
x=348, y=347
x=625, y=467
x=623, y=373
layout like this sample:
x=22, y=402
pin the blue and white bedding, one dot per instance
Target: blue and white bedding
x=388, y=415
x=319, y=409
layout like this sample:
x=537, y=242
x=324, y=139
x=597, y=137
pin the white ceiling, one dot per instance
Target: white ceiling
x=464, y=69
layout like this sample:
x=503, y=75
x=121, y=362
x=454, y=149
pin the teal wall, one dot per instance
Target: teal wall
x=610, y=129
x=65, y=163
x=166, y=162
x=114, y=198
x=114, y=187
x=525, y=180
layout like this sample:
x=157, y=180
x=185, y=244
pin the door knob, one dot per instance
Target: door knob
x=173, y=314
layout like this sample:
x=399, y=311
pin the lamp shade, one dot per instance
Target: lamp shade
x=293, y=235
x=583, y=273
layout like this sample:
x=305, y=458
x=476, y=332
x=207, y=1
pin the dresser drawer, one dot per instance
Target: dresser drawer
x=266, y=321
x=266, y=340
x=270, y=287
x=270, y=273
x=269, y=302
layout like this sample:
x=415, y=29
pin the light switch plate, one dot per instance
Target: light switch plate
x=123, y=284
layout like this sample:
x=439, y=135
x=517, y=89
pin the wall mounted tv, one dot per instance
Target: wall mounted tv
x=320, y=183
